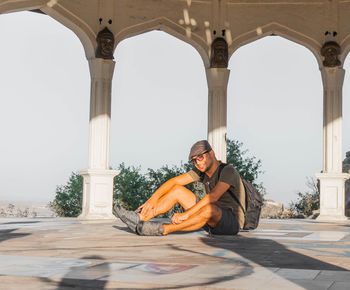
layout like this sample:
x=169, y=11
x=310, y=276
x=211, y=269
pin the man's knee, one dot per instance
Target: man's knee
x=178, y=188
x=180, y=192
x=210, y=212
x=176, y=191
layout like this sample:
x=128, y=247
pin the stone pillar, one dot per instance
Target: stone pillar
x=98, y=179
x=217, y=110
x=332, y=189
x=217, y=77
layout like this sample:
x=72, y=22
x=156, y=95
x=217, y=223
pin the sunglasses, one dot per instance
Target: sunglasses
x=199, y=157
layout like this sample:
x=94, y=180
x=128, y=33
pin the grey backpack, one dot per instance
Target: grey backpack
x=253, y=203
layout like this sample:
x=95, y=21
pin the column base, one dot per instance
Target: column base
x=98, y=194
x=332, y=196
x=332, y=218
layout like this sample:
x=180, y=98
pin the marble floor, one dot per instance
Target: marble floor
x=64, y=253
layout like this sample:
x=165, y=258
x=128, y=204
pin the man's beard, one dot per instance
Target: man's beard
x=208, y=166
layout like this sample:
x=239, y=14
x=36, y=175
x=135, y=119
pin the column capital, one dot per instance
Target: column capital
x=102, y=69
x=332, y=77
x=331, y=70
x=217, y=77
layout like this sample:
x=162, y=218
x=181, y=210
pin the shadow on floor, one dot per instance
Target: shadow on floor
x=83, y=277
x=23, y=222
x=269, y=253
x=123, y=228
x=264, y=252
x=126, y=229
x=86, y=277
x=9, y=234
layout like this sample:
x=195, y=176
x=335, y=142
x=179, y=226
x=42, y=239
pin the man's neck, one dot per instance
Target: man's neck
x=213, y=168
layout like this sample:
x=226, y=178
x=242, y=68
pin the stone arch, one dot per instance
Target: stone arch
x=343, y=57
x=283, y=89
x=85, y=34
x=277, y=29
x=169, y=27
x=12, y=6
x=159, y=106
x=51, y=88
x=345, y=45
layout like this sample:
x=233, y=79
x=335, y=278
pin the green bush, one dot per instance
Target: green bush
x=68, y=199
x=248, y=167
x=308, y=201
x=132, y=187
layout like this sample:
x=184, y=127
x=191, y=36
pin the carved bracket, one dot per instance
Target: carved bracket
x=330, y=51
x=219, y=53
x=105, y=44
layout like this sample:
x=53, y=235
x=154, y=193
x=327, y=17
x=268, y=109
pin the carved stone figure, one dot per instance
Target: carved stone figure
x=346, y=169
x=330, y=51
x=105, y=44
x=219, y=53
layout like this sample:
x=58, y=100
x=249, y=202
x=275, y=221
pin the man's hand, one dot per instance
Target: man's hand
x=178, y=218
x=147, y=209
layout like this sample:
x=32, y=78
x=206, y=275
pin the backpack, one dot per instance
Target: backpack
x=253, y=203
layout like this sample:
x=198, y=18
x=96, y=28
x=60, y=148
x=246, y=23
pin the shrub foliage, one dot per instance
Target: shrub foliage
x=69, y=197
x=248, y=167
x=307, y=201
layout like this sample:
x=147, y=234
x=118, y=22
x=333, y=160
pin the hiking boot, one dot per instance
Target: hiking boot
x=130, y=218
x=149, y=229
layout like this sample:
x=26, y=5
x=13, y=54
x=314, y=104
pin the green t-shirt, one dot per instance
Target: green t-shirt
x=230, y=176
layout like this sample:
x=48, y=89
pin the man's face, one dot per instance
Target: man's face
x=204, y=164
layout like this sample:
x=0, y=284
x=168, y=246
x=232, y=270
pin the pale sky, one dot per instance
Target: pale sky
x=159, y=107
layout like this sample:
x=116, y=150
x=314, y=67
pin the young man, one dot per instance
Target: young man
x=218, y=211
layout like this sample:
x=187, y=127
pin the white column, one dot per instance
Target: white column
x=98, y=179
x=217, y=110
x=332, y=189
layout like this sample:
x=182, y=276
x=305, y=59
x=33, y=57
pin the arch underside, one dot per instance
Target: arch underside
x=276, y=29
x=171, y=28
x=61, y=15
x=16, y=6
x=82, y=27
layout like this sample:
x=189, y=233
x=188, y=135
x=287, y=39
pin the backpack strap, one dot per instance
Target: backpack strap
x=221, y=167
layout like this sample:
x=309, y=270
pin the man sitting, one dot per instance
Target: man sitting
x=218, y=211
